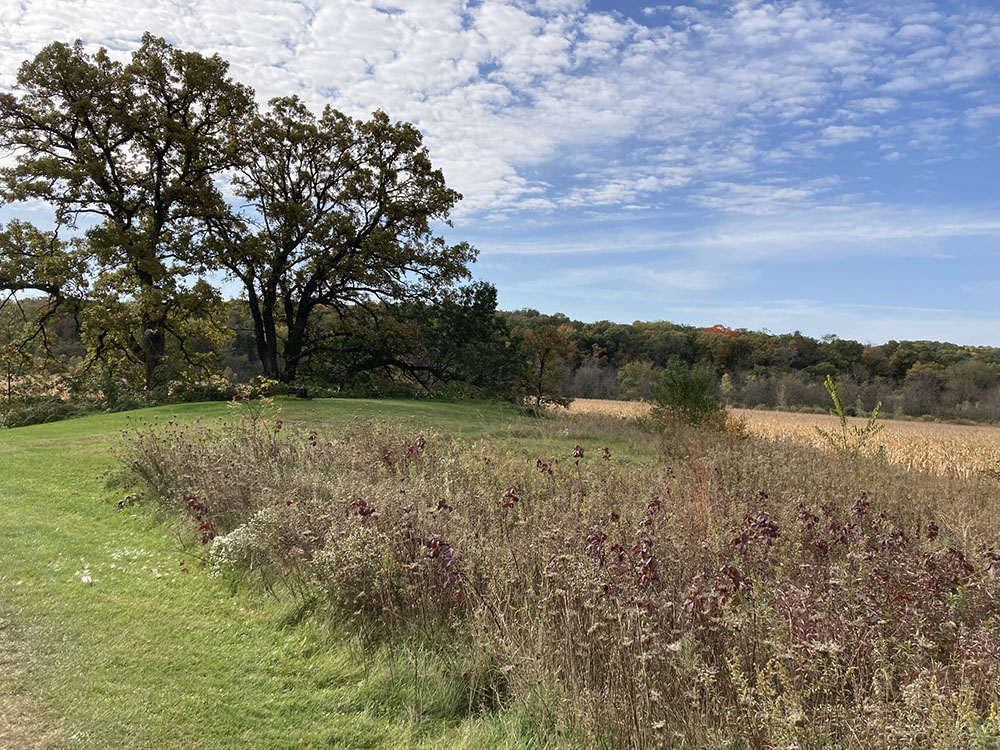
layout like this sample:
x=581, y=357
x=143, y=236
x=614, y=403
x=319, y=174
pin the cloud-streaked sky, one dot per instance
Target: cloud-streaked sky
x=828, y=166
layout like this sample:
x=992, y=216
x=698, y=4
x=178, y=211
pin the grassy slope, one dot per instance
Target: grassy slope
x=149, y=656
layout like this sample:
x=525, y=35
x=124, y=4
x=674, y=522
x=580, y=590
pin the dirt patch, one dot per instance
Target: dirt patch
x=22, y=725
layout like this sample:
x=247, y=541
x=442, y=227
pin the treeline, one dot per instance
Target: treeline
x=456, y=346
x=460, y=345
x=778, y=371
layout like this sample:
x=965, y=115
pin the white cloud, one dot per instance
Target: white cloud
x=787, y=228
x=630, y=277
x=836, y=134
x=981, y=116
x=756, y=199
x=918, y=32
x=878, y=105
x=507, y=89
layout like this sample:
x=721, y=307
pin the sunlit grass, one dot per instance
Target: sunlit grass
x=149, y=655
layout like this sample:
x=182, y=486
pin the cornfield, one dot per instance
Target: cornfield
x=943, y=449
x=609, y=407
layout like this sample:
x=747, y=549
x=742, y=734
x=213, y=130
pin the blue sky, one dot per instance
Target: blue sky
x=824, y=166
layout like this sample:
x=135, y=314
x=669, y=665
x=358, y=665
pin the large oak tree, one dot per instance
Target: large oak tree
x=339, y=215
x=129, y=154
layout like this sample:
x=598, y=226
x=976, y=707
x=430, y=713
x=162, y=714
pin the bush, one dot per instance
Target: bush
x=688, y=392
x=851, y=440
x=189, y=393
x=39, y=410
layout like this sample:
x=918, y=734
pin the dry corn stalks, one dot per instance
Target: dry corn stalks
x=942, y=449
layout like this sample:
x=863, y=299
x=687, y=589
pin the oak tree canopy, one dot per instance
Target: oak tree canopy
x=339, y=213
x=321, y=212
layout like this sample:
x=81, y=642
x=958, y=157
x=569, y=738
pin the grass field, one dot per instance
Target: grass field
x=151, y=653
x=114, y=635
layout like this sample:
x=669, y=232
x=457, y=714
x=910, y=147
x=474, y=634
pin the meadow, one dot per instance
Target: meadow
x=152, y=653
x=405, y=574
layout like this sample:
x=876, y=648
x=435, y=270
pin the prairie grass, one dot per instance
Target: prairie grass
x=671, y=588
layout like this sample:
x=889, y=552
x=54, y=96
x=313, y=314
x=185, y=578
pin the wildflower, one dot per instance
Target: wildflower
x=509, y=498
x=363, y=509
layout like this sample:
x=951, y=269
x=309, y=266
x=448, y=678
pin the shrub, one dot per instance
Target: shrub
x=849, y=440
x=688, y=392
x=38, y=410
x=198, y=392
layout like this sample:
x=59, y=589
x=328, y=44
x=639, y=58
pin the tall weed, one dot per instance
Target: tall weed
x=727, y=593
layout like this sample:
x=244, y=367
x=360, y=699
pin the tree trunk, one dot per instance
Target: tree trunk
x=154, y=349
x=265, y=334
x=297, y=319
x=293, y=351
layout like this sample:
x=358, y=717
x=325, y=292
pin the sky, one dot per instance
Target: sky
x=825, y=166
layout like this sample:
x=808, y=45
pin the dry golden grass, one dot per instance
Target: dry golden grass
x=21, y=724
x=942, y=449
x=609, y=407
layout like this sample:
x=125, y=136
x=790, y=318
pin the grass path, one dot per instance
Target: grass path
x=147, y=655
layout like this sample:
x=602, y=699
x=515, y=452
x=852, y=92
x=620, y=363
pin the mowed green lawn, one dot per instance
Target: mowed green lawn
x=148, y=655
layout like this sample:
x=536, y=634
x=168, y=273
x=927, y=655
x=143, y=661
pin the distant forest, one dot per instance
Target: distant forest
x=465, y=347
x=780, y=371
